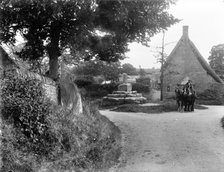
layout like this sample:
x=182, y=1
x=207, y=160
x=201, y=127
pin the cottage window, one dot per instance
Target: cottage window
x=168, y=88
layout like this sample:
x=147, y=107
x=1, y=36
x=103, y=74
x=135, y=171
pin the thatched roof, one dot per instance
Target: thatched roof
x=204, y=64
x=197, y=54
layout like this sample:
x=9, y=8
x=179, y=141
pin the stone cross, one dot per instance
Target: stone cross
x=125, y=77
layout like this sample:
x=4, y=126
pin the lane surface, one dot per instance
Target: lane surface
x=171, y=142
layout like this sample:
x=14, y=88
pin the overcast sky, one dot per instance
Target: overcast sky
x=205, y=19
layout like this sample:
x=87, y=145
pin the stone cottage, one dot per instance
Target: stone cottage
x=186, y=63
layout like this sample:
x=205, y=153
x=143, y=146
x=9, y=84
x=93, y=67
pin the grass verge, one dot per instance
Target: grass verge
x=163, y=107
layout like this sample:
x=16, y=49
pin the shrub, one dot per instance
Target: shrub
x=109, y=87
x=38, y=136
x=100, y=90
x=84, y=80
x=25, y=110
x=222, y=122
x=210, y=97
x=140, y=88
x=87, y=141
x=144, y=81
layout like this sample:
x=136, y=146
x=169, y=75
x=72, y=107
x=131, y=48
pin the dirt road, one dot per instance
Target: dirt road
x=171, y=142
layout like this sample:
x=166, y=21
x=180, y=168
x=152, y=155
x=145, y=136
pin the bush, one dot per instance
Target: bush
x=38, y=136
x=100, y=90
x=87, y=141
x=222, y=122
x=210, y=97
x=109, y=87
x=24, y=111
x=84, y=80
x=143, y=81
x=140, y=88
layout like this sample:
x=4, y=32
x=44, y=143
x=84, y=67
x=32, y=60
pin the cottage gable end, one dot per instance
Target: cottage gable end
x=186, y=56
x=185, y=61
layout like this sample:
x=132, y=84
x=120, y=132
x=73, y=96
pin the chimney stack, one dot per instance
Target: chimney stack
x=185, y=31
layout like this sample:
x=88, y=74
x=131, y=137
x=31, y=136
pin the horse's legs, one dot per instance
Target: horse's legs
x=178, y=105
x=181, y=105
x=185, y=106
x=192, y=107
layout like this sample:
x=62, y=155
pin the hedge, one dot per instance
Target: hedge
x=143, y=81
x=140, y=88
x=37, y=136
x=100, y=90
x=26, y=132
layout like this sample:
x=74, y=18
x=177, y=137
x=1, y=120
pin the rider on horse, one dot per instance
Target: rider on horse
x=188, y=88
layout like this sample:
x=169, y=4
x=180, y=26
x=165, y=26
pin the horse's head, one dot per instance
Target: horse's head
x=178, y=92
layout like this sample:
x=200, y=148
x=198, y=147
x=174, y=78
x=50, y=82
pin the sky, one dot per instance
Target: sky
x=205, y=19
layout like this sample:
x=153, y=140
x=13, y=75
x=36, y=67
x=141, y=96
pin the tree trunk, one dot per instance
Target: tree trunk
x=53, y=67
x=54, y=50
x=54, y=53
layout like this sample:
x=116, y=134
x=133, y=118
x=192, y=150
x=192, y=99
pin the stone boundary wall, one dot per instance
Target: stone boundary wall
x=50, y=87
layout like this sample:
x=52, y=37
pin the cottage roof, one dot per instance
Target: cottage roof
x=185, y=38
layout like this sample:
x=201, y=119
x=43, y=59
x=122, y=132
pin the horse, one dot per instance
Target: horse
x=185, y=99
x=179, y=99
x=189, y=97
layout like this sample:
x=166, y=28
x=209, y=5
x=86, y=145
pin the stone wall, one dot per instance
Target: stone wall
x=7, y=64
x=50, y=87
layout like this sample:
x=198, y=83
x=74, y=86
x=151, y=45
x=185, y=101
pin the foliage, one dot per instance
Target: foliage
x=84, y=80
x=52, y=26
x=38, y=136
x=160, y=108
x=222, y=122
x=26, y=134
x=100, y=90
x=144, y=80
x=84, y=141
x=25, y=108
x=216, y=59
x=211, y=97
x=129, y=69
x=142, y=72
x=140, y=88
x=110, y=71
x=15, y=159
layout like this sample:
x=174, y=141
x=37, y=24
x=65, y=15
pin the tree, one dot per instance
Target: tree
x=129, y=69
x=162, y=58
x=110, y=71
x=142, y=73
x=216, y=59
x=52, y=26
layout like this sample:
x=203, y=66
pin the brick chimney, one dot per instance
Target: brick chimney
x=185, y=31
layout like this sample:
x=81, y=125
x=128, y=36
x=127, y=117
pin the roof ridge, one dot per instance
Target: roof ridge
x=199, y=57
